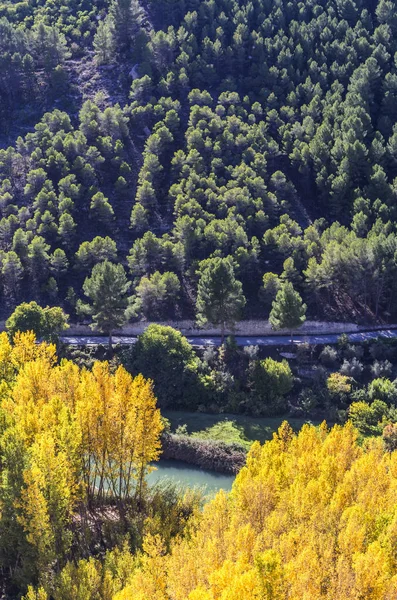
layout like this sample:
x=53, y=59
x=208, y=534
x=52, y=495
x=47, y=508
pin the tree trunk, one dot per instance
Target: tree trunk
x=222, y=333
x=110, y=340
x=292, y=339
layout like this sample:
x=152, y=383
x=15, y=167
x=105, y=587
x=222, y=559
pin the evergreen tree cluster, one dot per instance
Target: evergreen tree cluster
x=261, y=133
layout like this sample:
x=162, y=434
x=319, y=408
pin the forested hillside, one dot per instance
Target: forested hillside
x=161, y=133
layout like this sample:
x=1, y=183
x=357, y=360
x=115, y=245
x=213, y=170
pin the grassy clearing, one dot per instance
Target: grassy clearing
x=230, y=428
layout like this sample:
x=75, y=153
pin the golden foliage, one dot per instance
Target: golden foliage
x=311, y=516
x=84, y=435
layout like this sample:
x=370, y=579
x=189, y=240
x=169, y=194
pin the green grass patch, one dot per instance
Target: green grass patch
x=230, y=428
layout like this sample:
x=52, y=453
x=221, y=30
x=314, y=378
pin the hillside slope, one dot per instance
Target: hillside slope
x=161, y=133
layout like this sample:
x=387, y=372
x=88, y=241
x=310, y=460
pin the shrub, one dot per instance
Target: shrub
x=47, y=323
x=390, y=437
x=164, y=355
x=270, y=382
x=304, y=353
x=352, y=368
x=380, y=351
x=381, y=368
x=383, y=389
x=338, y=384
x=210, y=355
x=205, y=453
x=308, y=400
x=343, y=341
x=329, y=357
x=367, y=418
x=251, y=352
x=352, y=351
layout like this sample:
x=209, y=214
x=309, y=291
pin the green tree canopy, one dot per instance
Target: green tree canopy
x=220, y=297
x=270, y=381
x=107, y=289
x=288, y=310
x=47, y=323
x=164, y=355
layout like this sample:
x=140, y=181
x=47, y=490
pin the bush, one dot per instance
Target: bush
x=380, y=351
x=270, y=381
x=352, y=368
x=338, y=384
x=205, y=453
x=164, y=355
x=251, y=352
x=381, y=368
x=308, y=400
x=329, y=357
x=367, y=418
x=304, y=353
x=383, y=389
x=343, y=341
x=352, y=351
x=390, y=437
x=46, y=323
x=210, y=355
x=224, y=431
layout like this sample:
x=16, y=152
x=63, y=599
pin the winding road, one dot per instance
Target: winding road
x=272, y=340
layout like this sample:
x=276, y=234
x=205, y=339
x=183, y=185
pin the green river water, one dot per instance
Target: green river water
x=190, y=476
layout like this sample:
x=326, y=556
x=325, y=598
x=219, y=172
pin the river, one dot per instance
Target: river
x=190, y=476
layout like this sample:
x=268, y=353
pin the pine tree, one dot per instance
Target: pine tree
x=107, y=289
x=104, y=42
x=128, y=18
x=220, y=297
x=288, y=310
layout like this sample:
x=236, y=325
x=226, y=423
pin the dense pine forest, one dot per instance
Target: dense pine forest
x=214, y=161
x=161, y=134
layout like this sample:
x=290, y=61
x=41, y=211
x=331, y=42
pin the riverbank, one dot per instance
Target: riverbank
x=218, y=442
x=207, y=454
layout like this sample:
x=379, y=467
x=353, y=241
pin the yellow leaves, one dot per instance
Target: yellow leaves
x=6, y=363
x=23, y=350
x=65, y=383
x=149, y=581
x=107, y=423
x=312, y=516
x=35, y=518
x=26, y=350
x=338, y=384
x=285, y=434
x=372, y=572
x=233, y=581
x=121, y=429
x=32, y=594
x=47, y=500
x=72, y=431
x=153, y=546
x=83, y=580
x=270, y=575
x=94, y=579
x=201, y=594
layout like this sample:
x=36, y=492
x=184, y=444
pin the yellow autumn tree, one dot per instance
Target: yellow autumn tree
x=121, y=429
x=311, y=516
x=47, y=502
x=67, y=435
